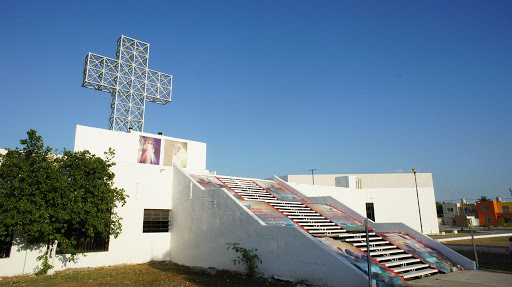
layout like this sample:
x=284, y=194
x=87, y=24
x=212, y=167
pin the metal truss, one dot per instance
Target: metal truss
x=129, y=81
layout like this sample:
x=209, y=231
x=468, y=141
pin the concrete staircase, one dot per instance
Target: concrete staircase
x=381, y=250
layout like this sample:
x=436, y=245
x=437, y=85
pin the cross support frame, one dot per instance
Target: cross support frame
x=129, y=81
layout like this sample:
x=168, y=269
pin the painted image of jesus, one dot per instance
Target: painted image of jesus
x=149, y=150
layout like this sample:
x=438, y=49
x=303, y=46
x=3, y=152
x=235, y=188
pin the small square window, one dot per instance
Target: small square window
x=505, y=209
x=156, y=220
x=486, y=208
x=467, y=209
x=507, y=219
x=5, y=248
x=487, y=220
x=450, y=210
x=88, y=245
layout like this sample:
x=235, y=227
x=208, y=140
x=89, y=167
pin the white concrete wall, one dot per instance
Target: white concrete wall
x=393, y=196
x=126, y=145
x=379, y=180
x=148, y=187
x=132, y=246
x=204, y=221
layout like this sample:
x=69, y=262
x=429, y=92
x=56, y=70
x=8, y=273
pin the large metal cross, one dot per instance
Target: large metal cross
x=129, y=81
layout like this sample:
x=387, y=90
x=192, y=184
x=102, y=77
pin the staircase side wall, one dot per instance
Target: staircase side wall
x=204, y=221
x=427, y=241
x=388, y=227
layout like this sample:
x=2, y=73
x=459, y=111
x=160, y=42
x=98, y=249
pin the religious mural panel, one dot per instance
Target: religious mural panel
x=175, y=153
x=149, y=150
x=429, y=256
x=212, y=182
x=356, y=257
x=208, y=182
x=268, y=214
x=278, y=191
x=346, y=222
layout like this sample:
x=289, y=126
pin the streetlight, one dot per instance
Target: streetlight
x=313, y=174
x=418, y=198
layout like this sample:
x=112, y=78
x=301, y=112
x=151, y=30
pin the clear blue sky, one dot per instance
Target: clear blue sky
x=280, y=87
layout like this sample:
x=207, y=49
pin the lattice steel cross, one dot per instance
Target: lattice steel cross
x=129, y=81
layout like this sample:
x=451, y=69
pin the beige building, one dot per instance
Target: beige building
x=384, y=198
x=457, y=214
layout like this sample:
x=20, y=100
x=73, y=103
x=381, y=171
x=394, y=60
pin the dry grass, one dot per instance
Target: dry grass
x=489, y=241
x=491, y=261
x=451, y=235
x=150, y=274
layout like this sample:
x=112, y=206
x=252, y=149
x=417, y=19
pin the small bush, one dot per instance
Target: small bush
x=248, y=257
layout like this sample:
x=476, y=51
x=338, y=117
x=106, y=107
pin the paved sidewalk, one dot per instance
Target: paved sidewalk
x=476, y=236
x=469, y=278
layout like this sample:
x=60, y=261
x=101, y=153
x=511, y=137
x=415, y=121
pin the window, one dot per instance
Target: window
x=88, y=245
x=507, y=219
x=5, y=248
x=370, y=212
x=450, y=210
x=467, y=209
x=156, y=220
x=505, y=209
x=359, y=183
x=487, y=220
x=486, y=208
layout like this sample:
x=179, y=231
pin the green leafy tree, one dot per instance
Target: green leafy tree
x=484, y=198
x=51, y=199
x=439, y=209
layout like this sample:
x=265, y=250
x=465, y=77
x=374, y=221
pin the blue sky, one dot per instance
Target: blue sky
x=280, y=87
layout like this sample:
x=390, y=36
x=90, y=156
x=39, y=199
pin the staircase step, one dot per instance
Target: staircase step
x=394, y=251
x=410, y=267
x=253, y=192
x=314, y=216
x=400, y=262
x=288, y=202
x=282, y=203
x=313, y=220
x=293, y=208
x=271, y=201
x=264, y=197
x=358, y=234
x=397, y=256
x=382, y=247
x=309, y=212
x=372, y=243
x=325, y=231
x=362, y=239
x=418, y=273
x=322, y=227
x=317, y=224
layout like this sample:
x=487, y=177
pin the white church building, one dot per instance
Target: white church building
x=177, y=210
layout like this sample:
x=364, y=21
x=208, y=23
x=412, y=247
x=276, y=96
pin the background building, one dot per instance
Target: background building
x=494, y=213
x=389, y=197
x=457, y=214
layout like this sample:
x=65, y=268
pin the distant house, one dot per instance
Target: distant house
x=495, y=213
x=457, y=214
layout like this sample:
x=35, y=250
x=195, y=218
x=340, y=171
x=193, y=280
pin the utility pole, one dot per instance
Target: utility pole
x=418, y=198
x=313, y=174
